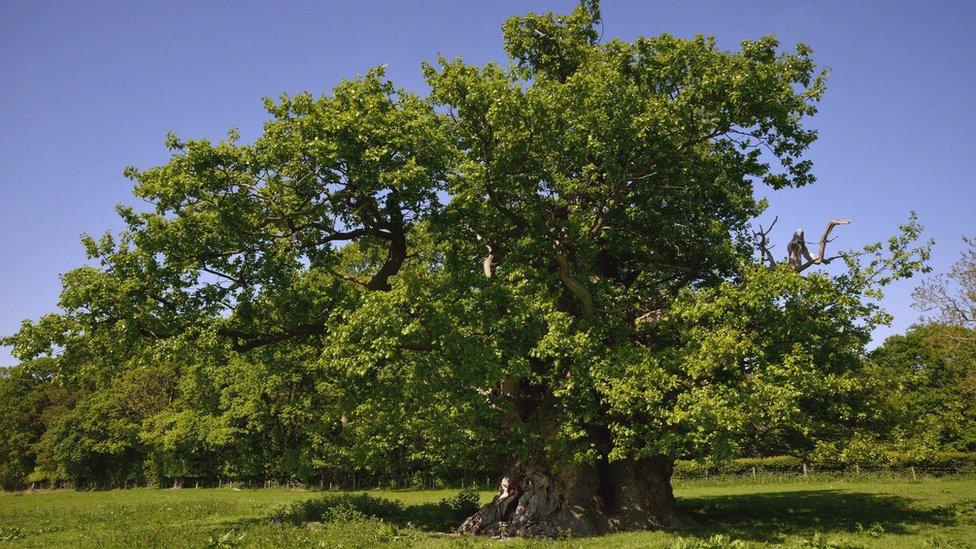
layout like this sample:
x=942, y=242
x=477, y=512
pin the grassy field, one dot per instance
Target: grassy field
x=813, y=513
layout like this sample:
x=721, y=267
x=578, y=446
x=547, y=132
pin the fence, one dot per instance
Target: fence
x=936, y=465
x=766, y=469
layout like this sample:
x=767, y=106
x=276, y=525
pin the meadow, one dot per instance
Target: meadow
x=816, y=512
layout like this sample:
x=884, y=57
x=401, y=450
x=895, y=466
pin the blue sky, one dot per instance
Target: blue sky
x=87, y=88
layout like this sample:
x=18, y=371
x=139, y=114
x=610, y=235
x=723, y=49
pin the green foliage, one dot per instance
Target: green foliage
x=28, y=404
x=718, y=541
x=183, y=444
x=443, y=516
x=320, y=509
x=551, y=45
x=96, y=442
x=925, y=383
x=548, y=260
x=740, y=466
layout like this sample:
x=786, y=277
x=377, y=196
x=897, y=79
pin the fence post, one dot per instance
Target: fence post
x=753, y=471
x=804, y=470
x=857, y=469
x=913, y=473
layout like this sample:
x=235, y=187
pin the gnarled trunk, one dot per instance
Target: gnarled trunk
x=538, y=500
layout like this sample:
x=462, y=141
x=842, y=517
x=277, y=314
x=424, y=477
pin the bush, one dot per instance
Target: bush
x=959, y=462
x=322, y=509
x=741, y=466
x=443, y=516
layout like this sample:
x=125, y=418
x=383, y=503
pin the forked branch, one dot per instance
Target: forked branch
x=765, y=249
x=798, y=257
x=585, y=300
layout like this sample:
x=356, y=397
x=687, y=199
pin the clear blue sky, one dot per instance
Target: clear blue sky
x=87, y=88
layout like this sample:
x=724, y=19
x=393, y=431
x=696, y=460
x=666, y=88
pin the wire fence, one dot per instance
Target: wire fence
x=744, y=470
x=822, y=471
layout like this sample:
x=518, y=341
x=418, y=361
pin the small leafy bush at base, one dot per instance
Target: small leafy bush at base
x=321, y=509
x=718, y=541
x=443, y=516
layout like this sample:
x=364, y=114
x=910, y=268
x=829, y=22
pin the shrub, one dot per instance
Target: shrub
x=741, y=466
x=443, y=516
x=321, y=509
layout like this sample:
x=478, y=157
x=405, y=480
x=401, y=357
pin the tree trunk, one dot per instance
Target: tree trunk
x=538, y=500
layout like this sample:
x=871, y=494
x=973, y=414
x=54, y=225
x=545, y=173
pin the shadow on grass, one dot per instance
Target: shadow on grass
x=757, y=517
x=770, y=517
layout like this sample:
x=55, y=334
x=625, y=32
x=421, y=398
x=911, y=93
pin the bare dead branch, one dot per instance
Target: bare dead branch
x=799, y=256
x=765, y=250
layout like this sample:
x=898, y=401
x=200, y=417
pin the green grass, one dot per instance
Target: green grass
x=885, y=513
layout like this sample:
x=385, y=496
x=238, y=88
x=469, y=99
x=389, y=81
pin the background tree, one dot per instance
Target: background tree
x=927, y=381
x=926, y=378
x=952, y=296
x=29, y=403
x=96, y=442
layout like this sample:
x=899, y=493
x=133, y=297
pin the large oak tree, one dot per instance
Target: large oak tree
x=552, y=259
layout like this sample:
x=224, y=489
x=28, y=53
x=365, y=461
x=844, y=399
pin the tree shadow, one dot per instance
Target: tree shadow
x=770, y=517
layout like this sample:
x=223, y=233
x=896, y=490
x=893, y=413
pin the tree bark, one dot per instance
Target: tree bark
x=538, y=500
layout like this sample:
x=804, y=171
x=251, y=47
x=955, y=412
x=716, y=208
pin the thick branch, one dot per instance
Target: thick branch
x=395, y=256
x=397, y=252
x=420, y=346
x=244, y=341
x=489, y=262
x=586, y=301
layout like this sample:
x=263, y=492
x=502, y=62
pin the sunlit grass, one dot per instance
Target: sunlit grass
x=813, y=513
